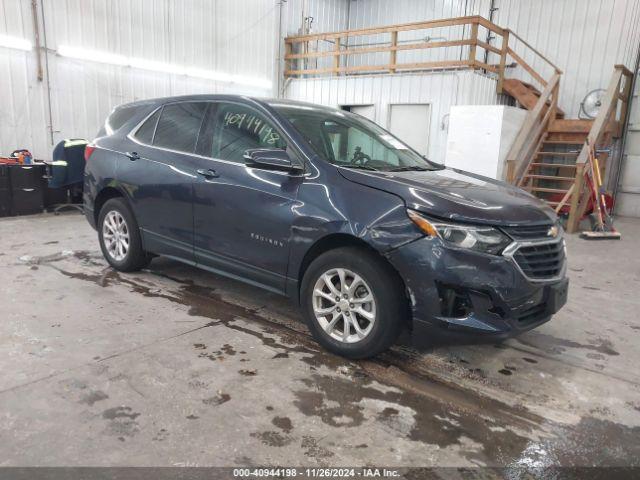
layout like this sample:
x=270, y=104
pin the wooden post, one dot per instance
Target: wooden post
x=626, y=95
x=503, y=59
x=511, y=171
x=474, y=44
x=336, y=57
x=288, y=49
x=393, y=53
x=554, y=103
x=574, y=214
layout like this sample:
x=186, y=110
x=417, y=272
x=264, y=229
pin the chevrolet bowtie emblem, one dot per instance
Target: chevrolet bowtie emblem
x=553, y=232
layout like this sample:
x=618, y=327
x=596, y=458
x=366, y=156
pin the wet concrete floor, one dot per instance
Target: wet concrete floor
x=176, y=366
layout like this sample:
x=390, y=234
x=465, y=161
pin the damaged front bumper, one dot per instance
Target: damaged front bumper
x=463, y=292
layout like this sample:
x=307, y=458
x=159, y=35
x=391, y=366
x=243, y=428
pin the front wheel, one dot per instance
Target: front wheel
x=353, y=302
x=119, y=237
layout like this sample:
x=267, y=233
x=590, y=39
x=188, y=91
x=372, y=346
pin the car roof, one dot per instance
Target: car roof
x=272, y=102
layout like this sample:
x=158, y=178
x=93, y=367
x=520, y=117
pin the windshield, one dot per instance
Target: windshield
x=348, y=140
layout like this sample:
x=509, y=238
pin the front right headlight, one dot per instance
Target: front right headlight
x=472, y=237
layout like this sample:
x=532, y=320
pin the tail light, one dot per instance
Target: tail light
x=88, y=150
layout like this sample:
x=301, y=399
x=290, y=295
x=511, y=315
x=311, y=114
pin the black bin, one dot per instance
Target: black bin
x=27, y=189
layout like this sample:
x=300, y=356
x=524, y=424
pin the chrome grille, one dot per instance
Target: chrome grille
x=534, y=232
x=541, y=261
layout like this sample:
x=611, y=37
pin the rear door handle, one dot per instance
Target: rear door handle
x=133, y=156
x=208, y=173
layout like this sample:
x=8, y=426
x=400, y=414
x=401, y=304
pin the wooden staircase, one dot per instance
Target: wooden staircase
x=549, y=156
x=551, y=170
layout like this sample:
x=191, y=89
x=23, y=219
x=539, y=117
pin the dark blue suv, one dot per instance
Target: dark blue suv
x=328, y=208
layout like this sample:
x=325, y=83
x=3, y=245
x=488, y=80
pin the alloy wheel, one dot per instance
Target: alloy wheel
x=344, y=305
x=115, y=234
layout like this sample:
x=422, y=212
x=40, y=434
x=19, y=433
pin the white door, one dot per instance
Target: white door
x=367, y=111
x=410, y=123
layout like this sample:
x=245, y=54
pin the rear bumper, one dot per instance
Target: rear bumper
x=88, y=213
x=496, y=300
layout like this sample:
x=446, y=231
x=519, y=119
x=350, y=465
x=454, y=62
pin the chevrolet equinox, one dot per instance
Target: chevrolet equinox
x=328, y=208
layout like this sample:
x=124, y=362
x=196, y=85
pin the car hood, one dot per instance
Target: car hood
x=459, y=196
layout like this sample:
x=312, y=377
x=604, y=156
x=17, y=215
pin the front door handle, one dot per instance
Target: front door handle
x=208, y=173
x=133, y=156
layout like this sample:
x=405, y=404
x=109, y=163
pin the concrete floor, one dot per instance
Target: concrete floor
x=175, y=366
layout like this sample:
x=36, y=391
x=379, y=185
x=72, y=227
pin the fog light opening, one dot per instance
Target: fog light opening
x=454, y=302
x=497, y=311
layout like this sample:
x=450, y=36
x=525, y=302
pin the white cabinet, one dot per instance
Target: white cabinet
x=480, y=137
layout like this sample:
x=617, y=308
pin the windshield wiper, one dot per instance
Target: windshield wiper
x=411, y=169
x=361, y=167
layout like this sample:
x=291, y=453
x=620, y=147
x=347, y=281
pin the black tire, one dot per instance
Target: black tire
x=387, y=290
x=135, y=258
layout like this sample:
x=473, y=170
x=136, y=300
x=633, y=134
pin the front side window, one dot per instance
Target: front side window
x=353, y=145
x=179, y=125
x=352, y=141
x=233, y=129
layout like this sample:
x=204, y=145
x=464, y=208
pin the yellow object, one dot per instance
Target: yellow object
x=73, y=143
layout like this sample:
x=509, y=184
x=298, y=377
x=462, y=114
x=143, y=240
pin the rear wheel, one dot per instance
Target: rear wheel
x=353, y=302
x=119, y=237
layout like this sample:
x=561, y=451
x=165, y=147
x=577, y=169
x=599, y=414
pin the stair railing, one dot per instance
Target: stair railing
x=609, y=124
x=532, y=132
x=512, y=39
x=329, y=53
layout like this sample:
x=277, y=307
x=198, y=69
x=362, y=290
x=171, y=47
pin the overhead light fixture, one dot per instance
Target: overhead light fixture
x=153, y=66
x=15, y=42
x=92, y=55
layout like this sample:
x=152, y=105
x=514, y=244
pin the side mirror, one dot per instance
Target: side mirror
x=270, y=159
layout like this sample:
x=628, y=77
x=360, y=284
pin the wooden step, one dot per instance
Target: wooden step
x=571, y=126
x=549, y=190
x=557, y=154
x=521, y=92
x=562, y=142
x=552, y=165
x=579, y=138
x=526, y=94
x=550, y=177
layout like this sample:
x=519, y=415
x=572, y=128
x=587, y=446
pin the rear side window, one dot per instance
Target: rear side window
x=179, y=125
x=144, y=134
x=233, y=129
x=120, y=116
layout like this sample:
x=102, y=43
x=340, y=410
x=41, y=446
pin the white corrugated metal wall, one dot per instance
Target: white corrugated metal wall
x=370, y=13
x=239, y=38
x=584, y=37
x=628, y=195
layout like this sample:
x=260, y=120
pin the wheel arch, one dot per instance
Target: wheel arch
x=339, y=240
x=107, y=193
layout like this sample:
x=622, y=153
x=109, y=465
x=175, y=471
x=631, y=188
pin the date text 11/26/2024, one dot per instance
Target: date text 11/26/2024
x=315, y=472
